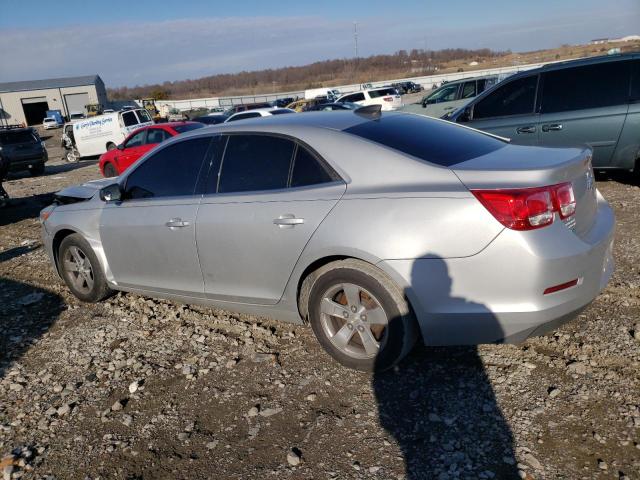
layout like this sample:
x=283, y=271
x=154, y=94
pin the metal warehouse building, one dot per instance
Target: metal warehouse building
x=27, y=102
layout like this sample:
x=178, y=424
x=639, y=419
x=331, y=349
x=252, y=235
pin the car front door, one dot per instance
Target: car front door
x=131, y=150
x=436, y=104
x=269, y=198
x=149, y=237
x=585, y=105
x=508, y=111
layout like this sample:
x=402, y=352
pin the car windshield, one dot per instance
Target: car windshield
x=187, y=127
x=20, y=136
x=434, y=141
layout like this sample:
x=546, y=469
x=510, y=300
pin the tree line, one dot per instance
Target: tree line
x=400, y=64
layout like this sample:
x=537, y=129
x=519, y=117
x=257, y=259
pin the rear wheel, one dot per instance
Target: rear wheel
x=37, y=169
x=81, y=270
x=110, y=170
x=359, y=316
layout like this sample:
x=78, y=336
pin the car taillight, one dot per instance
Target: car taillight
x=388, y=99
x=528, y=208
x=565, y=200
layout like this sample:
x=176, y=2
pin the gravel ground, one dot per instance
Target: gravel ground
x=136, y=388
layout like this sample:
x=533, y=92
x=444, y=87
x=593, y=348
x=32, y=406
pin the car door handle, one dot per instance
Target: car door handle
x=177, y=223
x=552, y=127
x=527, y=129
x=288, y=220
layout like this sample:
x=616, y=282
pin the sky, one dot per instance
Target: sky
x=139, y=42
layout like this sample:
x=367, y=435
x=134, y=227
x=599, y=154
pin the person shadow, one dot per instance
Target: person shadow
x=438, y=404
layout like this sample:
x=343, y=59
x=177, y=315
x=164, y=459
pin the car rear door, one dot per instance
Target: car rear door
x=149, y=237
x=627, y=152
x=508, y=111
x=585, y=105
x=261, y=210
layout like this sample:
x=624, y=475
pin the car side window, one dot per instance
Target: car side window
x=514, y=98
x=143, y=115
x=170, y=172
x=129, y=119
x=591, y=86
x=255, y=162
x=469, y=90
x=156, y=135
x=242, y=116
x=635, y=81
x=482, y=86
x=308, y=170
x=446, y=94
x=355, y=97
x=136, y=140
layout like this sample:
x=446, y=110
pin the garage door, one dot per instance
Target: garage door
x=76, y=102
x=35, y=109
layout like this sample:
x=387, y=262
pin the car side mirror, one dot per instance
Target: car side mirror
x=121, y=146
x=111, y=193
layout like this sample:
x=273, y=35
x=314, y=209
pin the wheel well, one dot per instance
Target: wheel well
x=303, y=297
x=57, y=240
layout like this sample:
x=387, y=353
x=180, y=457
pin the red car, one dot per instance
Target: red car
x=139, y=142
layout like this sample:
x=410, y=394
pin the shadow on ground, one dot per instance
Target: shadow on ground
x=18, y=209
x=439, y=404
x=27, y=313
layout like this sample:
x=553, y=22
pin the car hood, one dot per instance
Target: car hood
x=86, y=190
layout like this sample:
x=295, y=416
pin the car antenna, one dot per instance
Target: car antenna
x=369, y=111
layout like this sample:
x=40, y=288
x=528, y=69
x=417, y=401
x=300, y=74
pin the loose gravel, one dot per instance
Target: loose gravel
x=137, y=388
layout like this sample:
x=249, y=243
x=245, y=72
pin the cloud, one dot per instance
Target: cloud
x=129, y=53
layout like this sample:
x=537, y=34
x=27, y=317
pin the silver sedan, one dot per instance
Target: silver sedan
x=376, y=229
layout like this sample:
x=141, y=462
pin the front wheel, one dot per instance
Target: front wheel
x=72, y=156
x=81, y=270
x=110, y=170
x=359, y=316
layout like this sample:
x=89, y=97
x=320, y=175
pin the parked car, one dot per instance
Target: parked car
x=452, y=96
x=379, y=229
x=333, y=106
x=303, y=105
x=283, y=102
x=258, y=112
x=211, y=119
x=330, y=94
x=99, y=134
x=407, y=87
x=50, y=122
x=139, y=142
x=245, y=106
x=76, y=116
x=593, y=102
x=22, y=149
x=387, y=97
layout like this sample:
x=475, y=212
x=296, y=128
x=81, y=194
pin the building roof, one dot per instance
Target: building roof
x=49, y=83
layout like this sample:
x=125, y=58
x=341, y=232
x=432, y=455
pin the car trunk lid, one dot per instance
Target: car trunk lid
x=516, y=167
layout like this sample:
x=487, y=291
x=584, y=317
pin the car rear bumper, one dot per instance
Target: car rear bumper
x=497, y=294
x=16, y=165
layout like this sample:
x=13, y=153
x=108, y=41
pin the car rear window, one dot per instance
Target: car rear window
x=13, y=138
x=434, y=141
x=383, y=92
x=188, y=127
x=280, y=112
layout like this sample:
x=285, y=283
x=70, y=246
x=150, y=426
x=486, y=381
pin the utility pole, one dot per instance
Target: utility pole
x=355, y=38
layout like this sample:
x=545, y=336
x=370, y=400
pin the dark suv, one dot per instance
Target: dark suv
x=22, y=149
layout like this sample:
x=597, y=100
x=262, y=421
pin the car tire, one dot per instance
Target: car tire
x=110, y=170
x=37, y=170
x=359, y=315
x=72, y=156
x=110, y=146
x=81, y=271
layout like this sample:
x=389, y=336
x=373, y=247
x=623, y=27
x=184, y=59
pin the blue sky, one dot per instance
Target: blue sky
x=140, y=41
